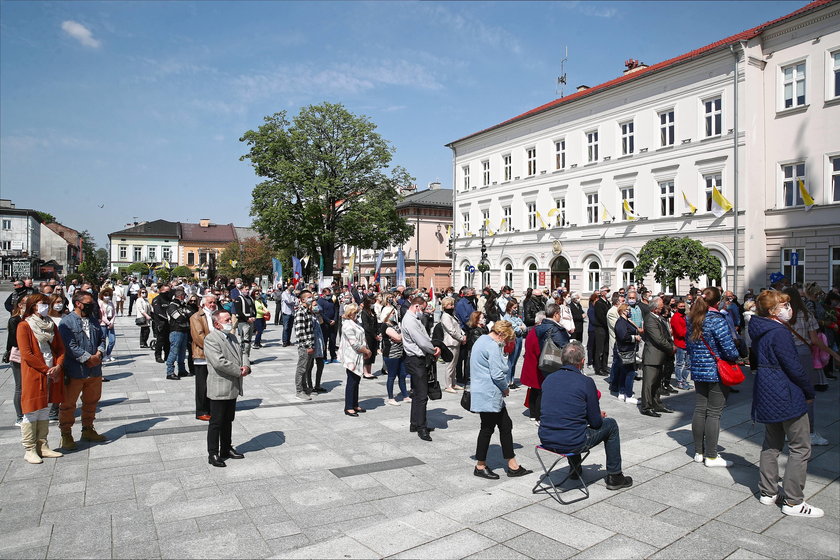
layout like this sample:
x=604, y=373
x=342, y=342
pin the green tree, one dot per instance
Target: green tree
x=228, y=264
x=673, y=258
x=325, y=183
x=182, y=272
x=46, y=217
x=137, y=268
x=93, y=262
x=163, y=274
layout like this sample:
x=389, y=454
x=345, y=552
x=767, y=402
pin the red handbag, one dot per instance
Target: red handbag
x=729, y=372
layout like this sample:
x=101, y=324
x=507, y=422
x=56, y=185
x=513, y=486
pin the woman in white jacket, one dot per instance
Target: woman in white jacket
x=453, y=338
x=352, y=352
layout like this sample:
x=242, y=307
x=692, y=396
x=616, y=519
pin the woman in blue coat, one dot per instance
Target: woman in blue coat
x=781, y=395
x=488, y=388
x=706, y=325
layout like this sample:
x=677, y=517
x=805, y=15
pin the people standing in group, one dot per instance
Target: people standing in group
x=143, y=314
x=782, y=396
x=601, y=333
x=246, y=315
x=707, y=333
x=85, y=345
x=329, y=313
x=305, y=336
x=57, y=308
x=12, y=354
x=418, y=346
x=530, y=375
x=682, y=363
x=225, y=370
x=288, y=302
x=627, y=339
x=370, y=324
x=160, y=322
x=533, y=303
x=511, y=315
x=454, y=338
x=201, y=324
x=464, y=307
x=590, y=330
x=577, y=316
x=261, y=311
x=20, y=289
x=616, y=300
x=107, y=317
x=353, y=351
x=488, y=388
x=476, y=327
x=658, y=351
x=179, y=328
x=393, y=354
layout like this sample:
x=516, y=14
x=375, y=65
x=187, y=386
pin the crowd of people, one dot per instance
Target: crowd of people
x=60, y=337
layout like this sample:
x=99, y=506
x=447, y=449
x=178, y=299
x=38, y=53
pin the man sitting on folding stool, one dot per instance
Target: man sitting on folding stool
x=572, y=420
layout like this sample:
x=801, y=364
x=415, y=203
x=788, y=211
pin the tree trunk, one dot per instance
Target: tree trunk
x=328, y=251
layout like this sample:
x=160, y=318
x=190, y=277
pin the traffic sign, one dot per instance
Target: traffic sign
x=794, y=258
x=471, y=269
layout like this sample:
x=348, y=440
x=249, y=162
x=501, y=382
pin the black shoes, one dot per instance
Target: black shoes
x=485, y=473
x=354, y=413
x=618, y=481
x=159, y=360
x=521, y=471
x=413, y=429
x=173, y=377
x=319, y=390
x=216, y=461
x=423, y=433
x=649, y=412
x=361, y=410
x=231, y=454
x=662, y=408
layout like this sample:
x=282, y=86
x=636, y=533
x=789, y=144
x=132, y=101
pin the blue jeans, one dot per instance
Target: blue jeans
x=177, y=351
x=396, y=369
x=682, y=365
x=513, y=358
x=608, y=434
x=109, y=335
x=288, y=320
x=259, y=327
x=623, y=380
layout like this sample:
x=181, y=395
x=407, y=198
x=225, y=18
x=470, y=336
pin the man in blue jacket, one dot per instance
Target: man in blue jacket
x=571, y=421
x=85, y=347
x=329, y=313
x=465, y=306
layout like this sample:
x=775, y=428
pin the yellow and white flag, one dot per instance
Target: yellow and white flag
x=720, y=205
x=489, y=231
x=691, y=207
x=628, y=211
x=605, y=215
x=352, y=264
x=806, y=196
x=503, y=225
x=543, y=225
x=448, y=231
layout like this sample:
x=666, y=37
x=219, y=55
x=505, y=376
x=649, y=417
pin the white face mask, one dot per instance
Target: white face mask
x=227, y=327
x=43, y=309
x=58, y=307
x=784, y=314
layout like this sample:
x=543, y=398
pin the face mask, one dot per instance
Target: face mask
x=58, y=307
x=316, y=309
x=681, y=310
x=87, y=309
x=43, y=309
x=450, y=310
x=631, y=302
x=227, y=327
x=239, y=286
x=785, y=314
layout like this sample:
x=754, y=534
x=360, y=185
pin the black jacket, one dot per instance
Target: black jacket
x=533, y=305
x=601, y=309
x=179, y=316
x=244, y=308
x=577, y=315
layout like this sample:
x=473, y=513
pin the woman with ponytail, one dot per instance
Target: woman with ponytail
x=708, y=336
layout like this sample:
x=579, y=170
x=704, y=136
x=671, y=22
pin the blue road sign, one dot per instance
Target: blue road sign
x=794, y=258
x=471, y=269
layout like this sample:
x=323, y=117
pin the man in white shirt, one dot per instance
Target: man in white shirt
x=417, y=346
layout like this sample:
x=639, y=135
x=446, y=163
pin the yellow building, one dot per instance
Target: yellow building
x=202, y=244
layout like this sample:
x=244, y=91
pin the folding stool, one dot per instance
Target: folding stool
x=554, y=489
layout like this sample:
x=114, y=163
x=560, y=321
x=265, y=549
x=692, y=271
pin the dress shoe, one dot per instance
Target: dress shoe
x=423, y=433
x=348, y=413
x=361, y=410
x=319, y=390
x=649, y=412
x=203, y=417
x=618, y=481
x=521, y=471
x=413, y=429
x=216, y=461
x=159, y=360
x=173, y=378
x=231, y=454
x=485, y=473
x=664, y=409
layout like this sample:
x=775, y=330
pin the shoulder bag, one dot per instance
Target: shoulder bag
x=730, y=373
x=435, y=392
x=466, y=399
x=550, y=361
x=630, y=357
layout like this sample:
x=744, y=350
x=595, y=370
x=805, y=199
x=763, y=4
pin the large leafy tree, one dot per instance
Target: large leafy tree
x=326, y=183
x=672, y=258
x=94, y=262
x=249, y=260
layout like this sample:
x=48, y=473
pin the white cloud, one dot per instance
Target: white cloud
x=81, y=33
x=591, y=9
x=477, y=31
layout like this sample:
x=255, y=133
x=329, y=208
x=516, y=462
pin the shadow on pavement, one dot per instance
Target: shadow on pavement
x=438, y=418
x=248, y=404
x=133, y=428
x=116, y=376
x=262, y=441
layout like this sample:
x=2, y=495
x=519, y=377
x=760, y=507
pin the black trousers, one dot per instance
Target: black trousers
x=534, y=402
x=329, y=339
x=489, y=422
x=144, y=336
x=462, y=368
x=278, y=311
x=651, y=386
x=131, y=299
x=667, y=372
x=221, y=424
x=202, y=403
x=351, y=390
x=602, y=350
x=161, y=332
x=416, y=368
x=319, y=371
x=578, y=334
x=590, y=348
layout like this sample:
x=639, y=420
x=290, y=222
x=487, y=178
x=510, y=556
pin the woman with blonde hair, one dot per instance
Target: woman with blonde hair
x=488, y=387
x=352, y=352
x=453, y=338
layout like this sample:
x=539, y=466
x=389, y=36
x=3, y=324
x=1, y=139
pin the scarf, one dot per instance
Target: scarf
x=42, y=328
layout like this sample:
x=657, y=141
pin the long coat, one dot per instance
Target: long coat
x=36, y=392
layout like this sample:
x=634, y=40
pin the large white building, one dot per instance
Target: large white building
x=749, y=115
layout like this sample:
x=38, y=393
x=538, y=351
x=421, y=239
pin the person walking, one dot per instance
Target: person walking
x=201, y=324
x=707, y=332
x=107, y=316
x=453, y=337
x=418, y=347
x=488, y=389
x=782, y=394
x=225, y=370
x=353, y=351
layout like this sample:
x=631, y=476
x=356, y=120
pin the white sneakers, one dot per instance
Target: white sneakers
x=802, y=510
x=628, y=400
x=698, y=457
x=718, y=462
x=392, y=402
x=817, y=439
x=768, y=500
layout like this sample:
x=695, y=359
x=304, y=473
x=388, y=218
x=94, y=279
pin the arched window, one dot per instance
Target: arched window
x=532, y=275
x=627, y=277
x=705, y=281
x=485, y=279
x=508, y=275
x=594, y=275
x=466, y=276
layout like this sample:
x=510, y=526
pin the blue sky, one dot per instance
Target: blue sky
x=139, y=106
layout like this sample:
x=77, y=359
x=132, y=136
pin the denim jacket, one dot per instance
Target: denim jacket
x=79, y=348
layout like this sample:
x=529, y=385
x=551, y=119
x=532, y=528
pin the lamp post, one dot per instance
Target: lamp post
x=483, y=265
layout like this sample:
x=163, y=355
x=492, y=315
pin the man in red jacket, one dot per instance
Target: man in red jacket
x=682, y=363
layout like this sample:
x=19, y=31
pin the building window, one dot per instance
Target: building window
x=7, y=225
x=485, y=173
x=594, y=276
x=6, y=245
x=507, y=223
x=166, y=253
x=792, y=174
x=485, y=279
x=835, y=178
x=532, y=161
x=796, y=274
x=138, y=253
x=123, y=252
x=532, y=275
x=506, y=164
x=592, y=146
x=202, y=258
x=508, y=275
x=485, y=220
x=466, y=220
x=560, y=154
x=592, y=208
x=466, y=172
x=628, y=194
x=191, y=258
x=666, y=128
x=560, y=204
x=627, y=142
x=834, y=80
x=532, y=215
x=712, y=180
x=467, y=276
x=793, y=85
x=666, y=198
x=713, y=116
x=152, y=253
x=834, y=267
x=627, y=278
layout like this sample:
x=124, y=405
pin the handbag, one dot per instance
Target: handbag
x=267, y=316
x=141, y=321
x=466, y=399
x=434, y=391
x=629, y=357
x=729, y=372
x=550, y=355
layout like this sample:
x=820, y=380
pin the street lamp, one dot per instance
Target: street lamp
x=483, y=265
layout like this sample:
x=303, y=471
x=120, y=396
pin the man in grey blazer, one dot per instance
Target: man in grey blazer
x=224, y=384
x=659, y=348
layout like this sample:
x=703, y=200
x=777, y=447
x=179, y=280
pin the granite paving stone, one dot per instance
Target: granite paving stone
x=238, y=542
x=617, y=546
x=640, y=527
x=537, y=545
x=569, y=530
x=456, y=545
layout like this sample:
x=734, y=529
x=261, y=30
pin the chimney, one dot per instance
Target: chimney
x=582, y=88
x=434, y=185
x=205, y=222
x=634, y=65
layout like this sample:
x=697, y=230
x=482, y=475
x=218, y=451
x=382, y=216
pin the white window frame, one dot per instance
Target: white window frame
x=628, y=193
x=465, y=173
x=593, y=275
x=507, y=219
x=832, y=79
x=833, y=266
x=152, y=252
x=531, y=212
x=798, y=75
x=712, y=117
x=531, y=160
x=485, y=218
x=793, y=273
x=7, y=225
x=628, y=139
x=485, y=173
x=560, y=153
x=790, y=184
x=560, y=204
x=593, y=214
x=667, y=190
x=591, y=146
x=507, y=164
x=833, y=175
x=532, y=274
x=507, y=274
x=714, y=178
x=137, y=253
x=627, y=277
x=466, y=276
x=166, y=253
x=667, y=128
x=465, y=217
x=123, y=252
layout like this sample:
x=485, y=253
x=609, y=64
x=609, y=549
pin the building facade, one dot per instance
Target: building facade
x=568, y=193
x=61, y=246
x=20, y=241
x=147, y=242
x=201, y=244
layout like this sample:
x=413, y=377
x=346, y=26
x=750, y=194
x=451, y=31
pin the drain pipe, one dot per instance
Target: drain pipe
x=735, y=166
x=454, y=232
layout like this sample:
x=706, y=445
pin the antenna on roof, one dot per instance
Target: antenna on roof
x=561, y=79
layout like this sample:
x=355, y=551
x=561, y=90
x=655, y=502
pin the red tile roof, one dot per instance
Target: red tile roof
x=743, y=36
x=214, y=233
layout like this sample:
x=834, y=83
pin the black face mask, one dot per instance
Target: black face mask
x=87, y=309
x=679, y=310
x=450, y=310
